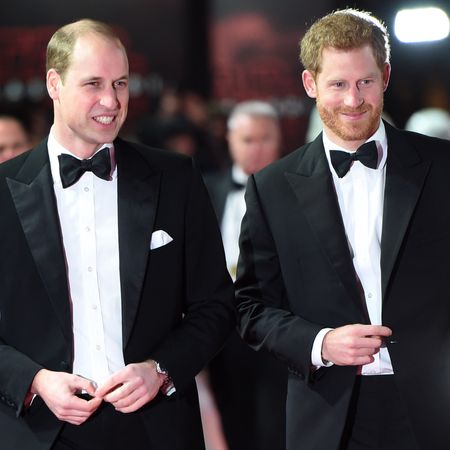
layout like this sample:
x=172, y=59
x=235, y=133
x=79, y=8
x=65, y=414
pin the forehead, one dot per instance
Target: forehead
x=94, y=52
x=248, y=122
x=357, y=60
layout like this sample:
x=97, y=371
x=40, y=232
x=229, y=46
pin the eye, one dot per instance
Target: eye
x=120, y=84
x=366, y=82
x=337, y=84
x=93, y=83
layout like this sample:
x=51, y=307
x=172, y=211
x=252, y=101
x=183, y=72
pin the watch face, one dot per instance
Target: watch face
x=160, y=369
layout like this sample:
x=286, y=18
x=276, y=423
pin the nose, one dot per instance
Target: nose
x=353, y=97
x=109, y=98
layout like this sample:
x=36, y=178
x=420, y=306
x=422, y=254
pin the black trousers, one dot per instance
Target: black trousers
x=106, y=429
x=378, y=418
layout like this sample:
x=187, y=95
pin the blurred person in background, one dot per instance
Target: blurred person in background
x=249, y=387
x=430, y=121
x=181, y=123
x=13, y=137
x=254, y=141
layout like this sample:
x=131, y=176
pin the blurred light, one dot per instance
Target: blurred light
x=153, y=84
x=432, y=121
x=135, y=85
x=14, y=90
x=36, y=89
x=421, y=25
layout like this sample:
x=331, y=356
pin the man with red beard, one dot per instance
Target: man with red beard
x=343, y=270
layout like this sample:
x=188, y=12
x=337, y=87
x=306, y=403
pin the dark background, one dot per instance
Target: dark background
x=224, y=50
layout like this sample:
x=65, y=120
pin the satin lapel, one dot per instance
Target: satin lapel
x=405, y=175
x=313, y=186
x=34, y=199
x=138, y=188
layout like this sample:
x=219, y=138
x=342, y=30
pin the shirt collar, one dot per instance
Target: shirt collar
x=379, y=137
x=55, y=149
x=238, y=175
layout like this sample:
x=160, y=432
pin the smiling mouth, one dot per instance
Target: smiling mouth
x=353, y=112
x=104, y=120
x=354, y=115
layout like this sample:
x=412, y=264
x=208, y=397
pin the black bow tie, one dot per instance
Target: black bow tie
x=367, y=154
x=71, y=169
x=236, y=186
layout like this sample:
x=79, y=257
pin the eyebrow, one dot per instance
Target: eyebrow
x=94, y=78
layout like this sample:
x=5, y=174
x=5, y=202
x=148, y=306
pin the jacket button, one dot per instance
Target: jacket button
x=64, y=365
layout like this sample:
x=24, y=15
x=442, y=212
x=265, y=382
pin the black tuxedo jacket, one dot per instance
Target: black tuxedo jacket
x=176, y=299
x=295, y=276
x=219, y=185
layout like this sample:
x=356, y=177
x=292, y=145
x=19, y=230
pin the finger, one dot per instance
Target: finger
x=363, y=351
x=133, y=396
x=94, y=403
x=80, y=383
x=363, y=360
x=125, y=401
x=139, y=397
x=119, y=393
x=80, y=414
x=356, y=361
x=71, y=415
x=74, y=420
x=133, y=406
x=377, y=330
x=91, y=388
x=82, y=406
x=369, y=342
x=360, y=330
x=110, y=385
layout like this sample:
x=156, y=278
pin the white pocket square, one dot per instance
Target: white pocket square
x=160, y=238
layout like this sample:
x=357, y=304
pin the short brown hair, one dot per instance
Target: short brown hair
x=61, y=44
x=344, y=29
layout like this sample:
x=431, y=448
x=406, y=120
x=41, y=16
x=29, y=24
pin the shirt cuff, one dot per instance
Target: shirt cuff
x=29, y=399
x=316, y=352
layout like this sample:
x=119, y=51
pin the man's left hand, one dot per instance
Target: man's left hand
x=131, y=387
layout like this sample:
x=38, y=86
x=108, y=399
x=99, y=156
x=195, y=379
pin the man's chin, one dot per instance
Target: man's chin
x=355, y=132
x=106, y=136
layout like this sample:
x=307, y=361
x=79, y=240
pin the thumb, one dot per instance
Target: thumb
x=87, y=385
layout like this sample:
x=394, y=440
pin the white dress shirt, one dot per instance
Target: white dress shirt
x=89, y=224
x=360, y=195
x=233, y=213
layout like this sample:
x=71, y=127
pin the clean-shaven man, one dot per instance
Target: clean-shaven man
x=114, y=287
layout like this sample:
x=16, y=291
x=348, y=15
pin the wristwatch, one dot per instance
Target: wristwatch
x=167, y=388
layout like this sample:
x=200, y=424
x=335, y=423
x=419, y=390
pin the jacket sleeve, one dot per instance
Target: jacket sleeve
x=209, y=314
x=264, y=318
x=15, y=382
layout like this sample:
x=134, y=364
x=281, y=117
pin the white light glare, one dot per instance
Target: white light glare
x=421, y=25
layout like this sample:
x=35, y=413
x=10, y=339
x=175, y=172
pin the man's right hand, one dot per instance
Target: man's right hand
x=354, y=345
x=58, y=390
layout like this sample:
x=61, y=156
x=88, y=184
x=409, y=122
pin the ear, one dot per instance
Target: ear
x=386, y=75
x=53, y=84
x=309, y=83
